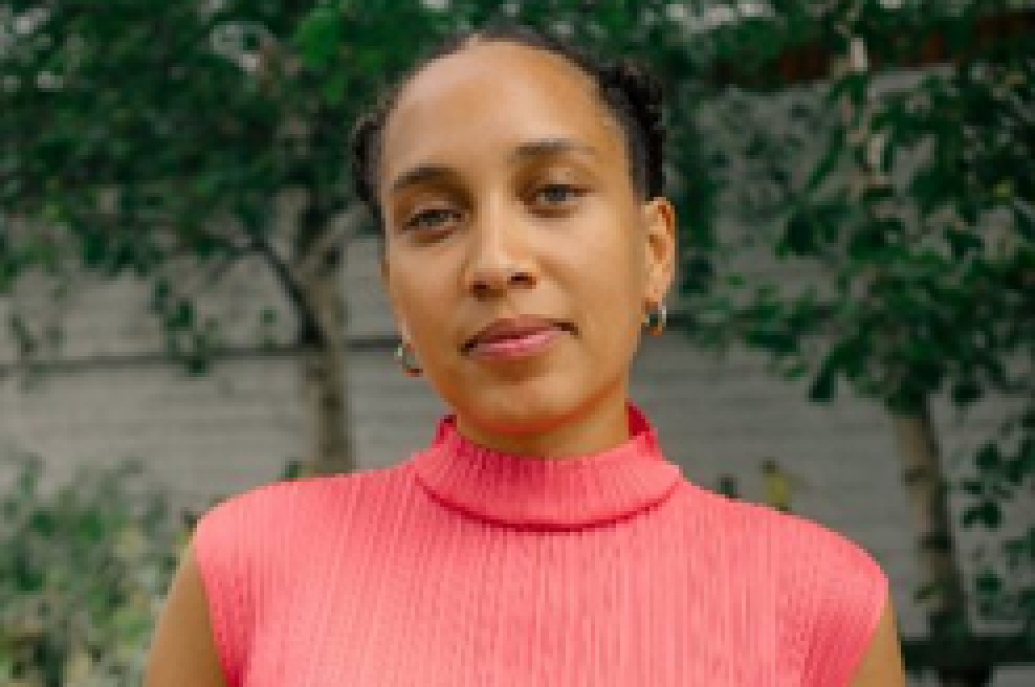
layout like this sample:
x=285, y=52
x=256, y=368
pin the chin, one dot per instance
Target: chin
x=532, y=423
x=528, y=404
x=532, y=407
x=532, y=417
x=527, y=407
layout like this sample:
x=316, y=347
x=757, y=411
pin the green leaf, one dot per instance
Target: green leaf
x=963, y=242
x=825, y=384
x=800, y=236
x=992, y=514
x=854, y=85
x=1024, y=220
x=698, y=275
x=988, y=459
x=268, y=317
x=987, y=582
x=878, y=193
x=778, y=343
x=94, y=250
x=973, y=487
x=927, y=591
x=181, y=317
x=320, y=36
x=987, y=513
x=966, y=392
x=821, y=172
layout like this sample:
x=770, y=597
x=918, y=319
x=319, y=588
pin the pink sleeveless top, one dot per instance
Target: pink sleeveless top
x=463, y=567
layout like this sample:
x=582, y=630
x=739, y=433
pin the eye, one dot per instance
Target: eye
x=557, y=194
x=432, y=218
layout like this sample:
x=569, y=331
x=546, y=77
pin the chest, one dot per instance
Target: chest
x=535, y=615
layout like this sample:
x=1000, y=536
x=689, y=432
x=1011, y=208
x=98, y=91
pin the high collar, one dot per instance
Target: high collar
x=556, y=493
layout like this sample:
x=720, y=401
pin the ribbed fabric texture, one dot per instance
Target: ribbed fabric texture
x=465, y=567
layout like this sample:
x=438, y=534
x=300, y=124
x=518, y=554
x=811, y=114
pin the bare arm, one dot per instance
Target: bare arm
x=881, y=664
x=183, y=651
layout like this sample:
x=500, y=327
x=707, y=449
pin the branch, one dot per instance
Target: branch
x=310, y=333
x=338, y=234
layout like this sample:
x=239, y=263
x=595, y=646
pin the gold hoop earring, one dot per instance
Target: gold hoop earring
x=655, y=319
x=407, y=359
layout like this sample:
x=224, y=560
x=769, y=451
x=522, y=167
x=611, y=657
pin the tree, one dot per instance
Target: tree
x=912, y=249
x=137, y=136
x=134, y=134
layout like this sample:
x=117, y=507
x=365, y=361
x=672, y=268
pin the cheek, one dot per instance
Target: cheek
x=424, y=305
x=409, y=298
x=414, y=307
x=612, y=291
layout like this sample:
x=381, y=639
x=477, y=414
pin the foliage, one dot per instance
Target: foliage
x=137, y=135
x=184, y=138
x=905, y=254
x=1005, y=585
x=82, y=575
x=140, y=135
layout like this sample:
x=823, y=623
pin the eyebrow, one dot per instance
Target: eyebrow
x=550, y=146
x=533, y=149
x=421, y=174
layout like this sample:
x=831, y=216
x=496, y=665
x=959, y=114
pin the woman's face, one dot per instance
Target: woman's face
x=519, y=260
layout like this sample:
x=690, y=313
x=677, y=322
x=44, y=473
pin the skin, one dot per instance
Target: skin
x=183, y=649
x=516, y=204
x=509, y=205
x=881, y=663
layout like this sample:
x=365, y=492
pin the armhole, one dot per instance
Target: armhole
x=868, y=622
x=217, y=560
x=855, y=592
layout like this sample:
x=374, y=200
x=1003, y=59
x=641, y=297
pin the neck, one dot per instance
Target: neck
x=600, y=427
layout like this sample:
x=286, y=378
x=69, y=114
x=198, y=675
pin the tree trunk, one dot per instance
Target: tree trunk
x=319, y=252
x=324, y=369
x=924, y=476
x=926, y=487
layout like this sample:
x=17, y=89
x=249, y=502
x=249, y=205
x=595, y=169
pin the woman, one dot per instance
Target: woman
x=542, y=538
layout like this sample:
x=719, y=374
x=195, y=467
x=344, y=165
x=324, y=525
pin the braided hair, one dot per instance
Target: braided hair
x=632, y=95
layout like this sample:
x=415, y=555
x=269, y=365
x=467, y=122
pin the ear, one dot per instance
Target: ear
x=659, y=218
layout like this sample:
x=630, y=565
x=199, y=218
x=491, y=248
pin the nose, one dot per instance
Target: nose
x=499, y=257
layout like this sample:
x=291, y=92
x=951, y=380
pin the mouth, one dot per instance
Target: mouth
x=516, y=337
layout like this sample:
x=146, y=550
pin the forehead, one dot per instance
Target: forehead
x=490, y=97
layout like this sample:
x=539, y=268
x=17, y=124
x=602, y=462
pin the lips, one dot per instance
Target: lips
x=515, y=335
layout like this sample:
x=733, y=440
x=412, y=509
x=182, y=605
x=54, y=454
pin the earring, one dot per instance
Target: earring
x=655, y=318
x=407, y=359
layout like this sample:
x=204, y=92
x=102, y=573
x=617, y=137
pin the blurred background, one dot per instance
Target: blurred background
x=190, y=303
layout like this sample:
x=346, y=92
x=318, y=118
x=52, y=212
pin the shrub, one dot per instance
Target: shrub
x=82, y=575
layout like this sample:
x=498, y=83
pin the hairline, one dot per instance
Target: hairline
x=571, y=61
x=635, y=140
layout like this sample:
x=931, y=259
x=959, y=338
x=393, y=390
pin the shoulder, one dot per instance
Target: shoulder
x=811, y=561
x=831, y=596
x=819, y=564
x=792, y=543
x=828, y=592
x=271, y=522
x=284, y=503
x=247, y=549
